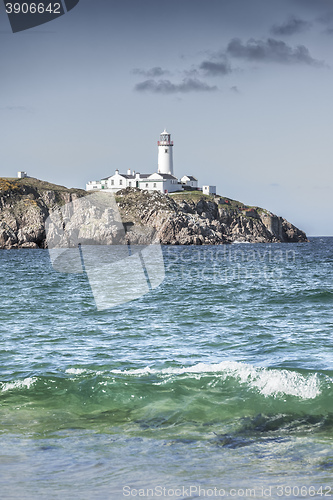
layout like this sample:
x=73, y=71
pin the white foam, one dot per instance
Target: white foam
x=75, y=371
x=269, y=382
x=18, y=384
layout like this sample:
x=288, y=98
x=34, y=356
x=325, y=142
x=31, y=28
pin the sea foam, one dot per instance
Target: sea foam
x=18, y=384
x=268, y=381
x=75, y=371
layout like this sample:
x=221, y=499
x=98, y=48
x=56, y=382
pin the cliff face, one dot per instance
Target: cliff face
x=181, y=219
x=24, y=207
x=184, y=219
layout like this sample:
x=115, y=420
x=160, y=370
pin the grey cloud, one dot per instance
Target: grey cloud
x=155, y=72
x=326, y=18
x=271, y=50
x=167, y=87
x=191, y=73
x=215, y=68
x=290, y=27
x=234, y=89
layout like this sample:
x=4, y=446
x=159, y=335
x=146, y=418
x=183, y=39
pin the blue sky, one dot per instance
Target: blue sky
x=244, y=87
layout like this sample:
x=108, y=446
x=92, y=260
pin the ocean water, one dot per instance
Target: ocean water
x=218, y=383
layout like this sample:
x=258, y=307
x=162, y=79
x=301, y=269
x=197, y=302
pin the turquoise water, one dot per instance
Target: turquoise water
x=222, y=378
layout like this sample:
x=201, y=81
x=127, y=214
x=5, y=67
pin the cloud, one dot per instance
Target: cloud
x=191, y=73
x=326, y=18
x=167, y=87
x=290, y=27
x=215, y=68
x=235, y=89
x=271, y=50
x=155, y=72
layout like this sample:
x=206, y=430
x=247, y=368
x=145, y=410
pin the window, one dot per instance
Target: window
x=154, y=184
x=120, y=182
x=112, y=182
x=166, y=150
x=146, y=184
x=129, y=184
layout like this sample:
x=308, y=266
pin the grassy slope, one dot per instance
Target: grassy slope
x=197, y=195
x=12, y=183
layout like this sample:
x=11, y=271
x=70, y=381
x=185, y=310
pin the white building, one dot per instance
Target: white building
x=164, y=183
x=189, y=180
x=117, y=181
x=163, y=180
x=209, y=189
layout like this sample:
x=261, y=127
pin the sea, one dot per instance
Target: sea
x=218, y=383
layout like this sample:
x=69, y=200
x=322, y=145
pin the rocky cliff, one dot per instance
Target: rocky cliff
x=25, y=205
x=191, y=218
x=188, y=218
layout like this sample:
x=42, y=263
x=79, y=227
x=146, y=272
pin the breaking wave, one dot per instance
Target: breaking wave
x=269, y=382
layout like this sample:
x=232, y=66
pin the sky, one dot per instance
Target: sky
x=243, y=86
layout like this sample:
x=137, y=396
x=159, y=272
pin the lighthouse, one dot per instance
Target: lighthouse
x=165, y=161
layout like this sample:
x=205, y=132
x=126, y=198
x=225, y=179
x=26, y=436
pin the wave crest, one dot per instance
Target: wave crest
x=268, y=381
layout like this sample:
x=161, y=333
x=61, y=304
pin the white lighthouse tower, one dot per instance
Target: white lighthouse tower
x=165, y=161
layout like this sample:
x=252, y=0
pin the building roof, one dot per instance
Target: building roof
x=165, y=176
x=151, y=180
x=190, y=177
x=126, y=176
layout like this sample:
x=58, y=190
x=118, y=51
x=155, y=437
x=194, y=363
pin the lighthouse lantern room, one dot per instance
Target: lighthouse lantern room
x=165, y=161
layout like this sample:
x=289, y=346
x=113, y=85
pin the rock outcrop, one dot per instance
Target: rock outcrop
x=191, y=219
x=25, y=205
x=188, y=218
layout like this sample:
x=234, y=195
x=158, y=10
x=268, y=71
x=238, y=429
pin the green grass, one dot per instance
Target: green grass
x=190, y=196
x=48, y=186
x=198, y=195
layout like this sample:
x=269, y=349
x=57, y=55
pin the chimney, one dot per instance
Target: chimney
x=129, y=171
